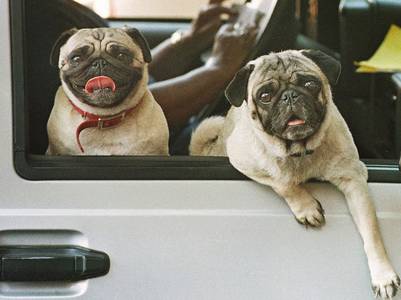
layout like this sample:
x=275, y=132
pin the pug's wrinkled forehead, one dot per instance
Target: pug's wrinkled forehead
x=284, y=66
x=97, y=40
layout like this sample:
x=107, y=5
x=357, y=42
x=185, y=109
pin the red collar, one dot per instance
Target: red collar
x=101, y=122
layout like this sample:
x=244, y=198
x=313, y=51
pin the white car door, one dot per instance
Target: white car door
x=183, y=239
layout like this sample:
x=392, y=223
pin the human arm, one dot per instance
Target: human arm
x=177, y=55
x=186, y=95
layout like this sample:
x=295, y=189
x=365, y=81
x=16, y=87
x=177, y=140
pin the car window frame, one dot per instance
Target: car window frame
x=42, y=167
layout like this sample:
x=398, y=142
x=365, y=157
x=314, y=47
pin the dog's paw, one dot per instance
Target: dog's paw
x=311, y=214
x=386, y=285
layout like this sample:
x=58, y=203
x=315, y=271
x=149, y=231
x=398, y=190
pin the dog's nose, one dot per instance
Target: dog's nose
x=289, y=96
x=99, y=63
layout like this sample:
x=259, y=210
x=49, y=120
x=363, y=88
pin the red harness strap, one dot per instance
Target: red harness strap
x=101, y=122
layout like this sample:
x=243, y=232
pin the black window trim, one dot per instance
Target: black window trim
x=41, y=167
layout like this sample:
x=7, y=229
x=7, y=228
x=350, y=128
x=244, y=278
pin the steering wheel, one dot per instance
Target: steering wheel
x=277, y=32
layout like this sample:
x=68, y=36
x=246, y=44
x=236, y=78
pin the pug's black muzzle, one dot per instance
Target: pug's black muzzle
x=296, y=116
x=124, y=79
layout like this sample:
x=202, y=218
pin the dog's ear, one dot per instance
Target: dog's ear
x=63, y=38
x=138, y=38
x=237, y=90
x=330, y=66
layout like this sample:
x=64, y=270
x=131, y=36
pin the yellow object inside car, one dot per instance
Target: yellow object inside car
x=387, y=57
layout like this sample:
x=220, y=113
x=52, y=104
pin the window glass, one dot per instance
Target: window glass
x=370, y=107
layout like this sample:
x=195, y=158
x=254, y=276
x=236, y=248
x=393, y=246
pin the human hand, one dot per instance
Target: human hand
x=232, y=46
x=208, y=22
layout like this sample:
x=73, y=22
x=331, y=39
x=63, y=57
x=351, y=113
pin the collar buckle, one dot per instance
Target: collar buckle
x=112, y=121
x=100, y=123
x=302, y=154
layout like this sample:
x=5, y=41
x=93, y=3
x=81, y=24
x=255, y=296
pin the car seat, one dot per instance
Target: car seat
x=363, y=25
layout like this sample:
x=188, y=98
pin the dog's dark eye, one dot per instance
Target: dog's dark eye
x=122, y=56
x=265, y=97
x=312, y=85
x=76, y=59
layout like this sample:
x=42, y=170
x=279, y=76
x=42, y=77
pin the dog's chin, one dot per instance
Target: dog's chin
x=103, y=98
x=298, y=132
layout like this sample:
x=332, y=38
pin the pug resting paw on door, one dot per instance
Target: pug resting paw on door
x=283, y=130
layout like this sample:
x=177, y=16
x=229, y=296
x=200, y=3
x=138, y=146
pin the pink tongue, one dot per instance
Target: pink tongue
x=99, y=82
x=296, y=122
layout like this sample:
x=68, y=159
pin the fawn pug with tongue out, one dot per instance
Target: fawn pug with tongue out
x=283, y=130
x=104, y=106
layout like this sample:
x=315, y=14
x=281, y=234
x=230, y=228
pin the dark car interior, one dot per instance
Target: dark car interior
x=349, y=30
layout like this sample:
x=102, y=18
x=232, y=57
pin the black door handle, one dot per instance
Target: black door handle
x=51, y=263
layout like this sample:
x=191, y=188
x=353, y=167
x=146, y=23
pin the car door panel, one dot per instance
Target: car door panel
x=219, y=252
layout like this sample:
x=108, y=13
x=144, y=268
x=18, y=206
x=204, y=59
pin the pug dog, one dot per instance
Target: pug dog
x=283, y=130
x=104, y=106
